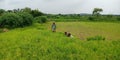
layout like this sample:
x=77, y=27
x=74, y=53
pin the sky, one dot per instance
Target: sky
x=64, y=6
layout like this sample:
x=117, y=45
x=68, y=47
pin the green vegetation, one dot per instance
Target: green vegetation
x=95, y=37
x=97, y=11
x=40, y=19
x=13, y=20
x=20, y=17
x=38, y=43
x=26, y=20
x=1, y=11
x=88, y=18
x=10, y=20
x=84, y=30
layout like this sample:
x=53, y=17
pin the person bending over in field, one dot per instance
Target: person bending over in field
x=69, y=35
x=53, y=27
x=65, y=33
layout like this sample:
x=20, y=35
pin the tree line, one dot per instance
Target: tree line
x=27, y=16
x=95, y=16
x=20, y=17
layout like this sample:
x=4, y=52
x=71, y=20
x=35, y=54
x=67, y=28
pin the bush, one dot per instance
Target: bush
x=2, y=11
x=36, y=13
x=14, y=20
x=118, y=18
x=27, y=19
x=91, y=18
x=96, y=38
x=41, y=19
x=1, y=30
x=10, y=20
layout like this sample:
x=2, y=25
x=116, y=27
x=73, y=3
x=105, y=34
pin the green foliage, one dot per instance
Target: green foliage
x=91, y=18
x=36, y=13
x=118, y=18
x=27, y=10
x=97, y=11
x=10, y=20
x=13, y=20
x=1, y=30
x=96, y=38
x=1, y=11
x=76, y=17
x=21, y=44
x=41, y=19
x=27, y=19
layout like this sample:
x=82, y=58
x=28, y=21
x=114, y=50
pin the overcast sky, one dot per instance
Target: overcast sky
x=64, y=6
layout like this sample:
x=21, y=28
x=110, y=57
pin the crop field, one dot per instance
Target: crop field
x=38, y=43
x=83, y=30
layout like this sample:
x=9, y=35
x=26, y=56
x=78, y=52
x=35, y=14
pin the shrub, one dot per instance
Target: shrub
x=118, y=18
x=96, y=38
x=1, y=11
x=41, y=19
x=14, y=20
x=91, y=18
x=10, y=20
x=36, y=13
x=27, y=19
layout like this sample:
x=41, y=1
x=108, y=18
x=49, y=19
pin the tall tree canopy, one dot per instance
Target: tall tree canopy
x=2, y=11
x=97, y=11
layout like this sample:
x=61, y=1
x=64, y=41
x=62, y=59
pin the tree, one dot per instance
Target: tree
x=36, y=13
x=10, y=20
x=14, y=20
x=27, y=19
x=41, y=19
x=2, y=11
x=97, y=11
x=16, y=10
x=26, y=9
x=10, y=11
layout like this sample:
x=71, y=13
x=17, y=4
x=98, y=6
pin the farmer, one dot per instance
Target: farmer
x=69, y=35
x=65, y=33
x=53, y=27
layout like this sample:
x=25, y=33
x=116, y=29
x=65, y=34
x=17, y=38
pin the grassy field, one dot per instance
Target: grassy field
x=38, y=43
x=83, y=30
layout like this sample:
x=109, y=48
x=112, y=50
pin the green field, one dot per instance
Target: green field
x=83, y=30
x=37, y=42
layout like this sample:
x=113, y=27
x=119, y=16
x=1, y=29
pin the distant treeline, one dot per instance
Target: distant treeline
x=83, y=17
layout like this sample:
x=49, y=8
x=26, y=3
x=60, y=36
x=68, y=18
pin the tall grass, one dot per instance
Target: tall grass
x=38, y=43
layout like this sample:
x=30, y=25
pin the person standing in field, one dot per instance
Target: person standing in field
x=53, y=27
